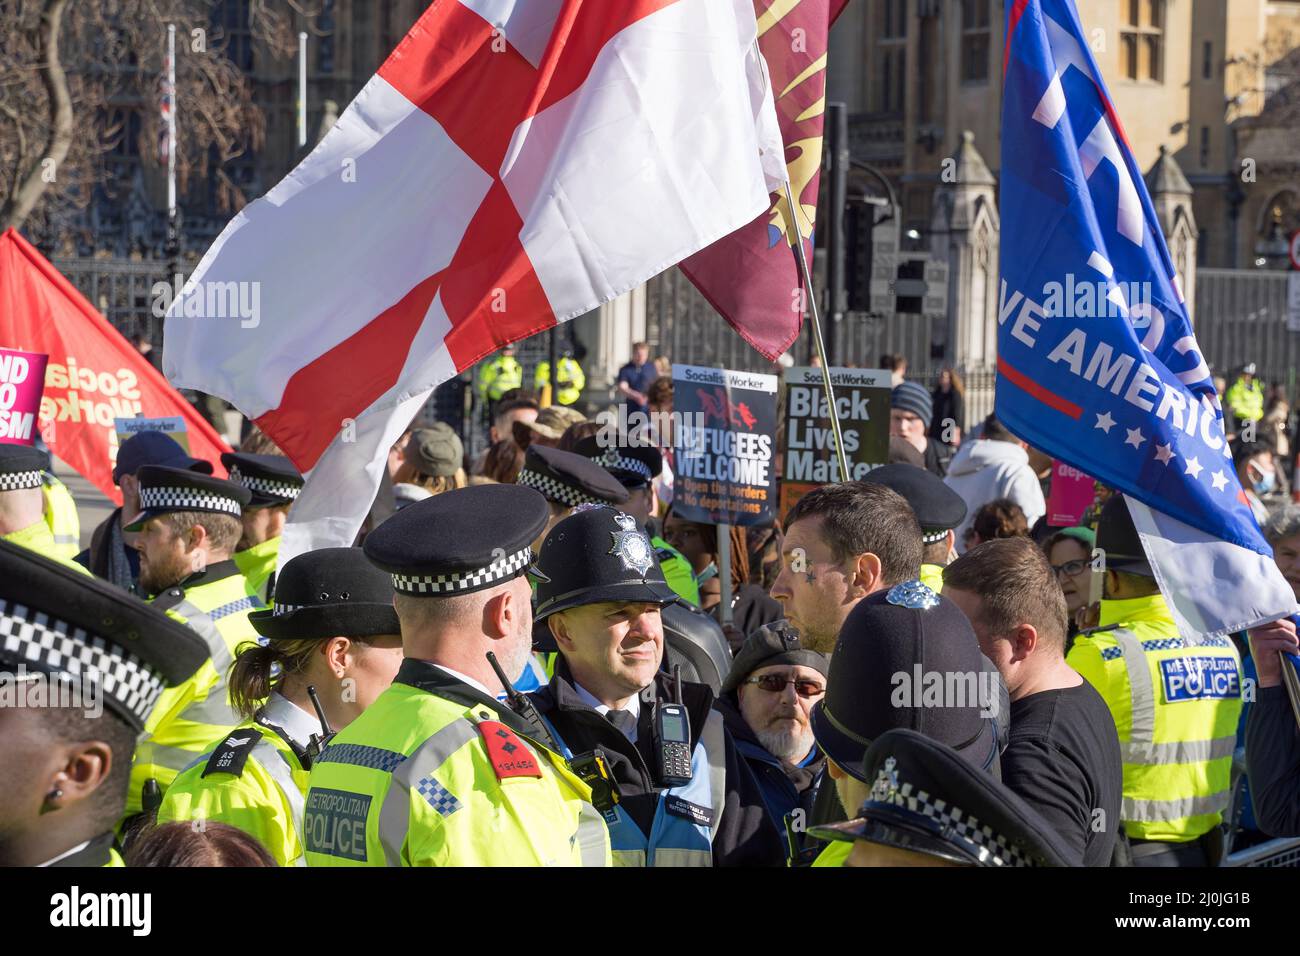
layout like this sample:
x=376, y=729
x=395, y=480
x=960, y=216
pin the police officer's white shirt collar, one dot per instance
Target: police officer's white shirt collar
x=633, y=706
x=62, y=856
x=465, y=678
x=298, y=723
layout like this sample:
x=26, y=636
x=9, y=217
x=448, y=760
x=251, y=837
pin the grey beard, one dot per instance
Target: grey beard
x=790, y=746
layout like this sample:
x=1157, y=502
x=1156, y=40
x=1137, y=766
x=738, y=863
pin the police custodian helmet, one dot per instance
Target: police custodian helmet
x=598, y=554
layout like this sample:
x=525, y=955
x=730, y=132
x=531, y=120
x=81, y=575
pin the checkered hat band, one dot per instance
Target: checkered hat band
x=612, y=459
x=934, y=537
x=507, y=567
x=266, y=486
x=186, y=499
x=957, y=823
x=19, y=480
x=50, y=644
x=555, y=490
x=287, y=608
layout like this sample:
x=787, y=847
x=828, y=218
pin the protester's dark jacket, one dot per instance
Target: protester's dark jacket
x=937, y=457
x=745, y=837
x=1273, y=763
x=786, y=788
x=109, y=556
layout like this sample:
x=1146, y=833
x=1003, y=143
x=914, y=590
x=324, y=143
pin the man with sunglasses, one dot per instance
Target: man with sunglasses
x=766, y=701
x=609, y=703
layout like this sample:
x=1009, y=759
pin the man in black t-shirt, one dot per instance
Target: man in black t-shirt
x=1063, y=758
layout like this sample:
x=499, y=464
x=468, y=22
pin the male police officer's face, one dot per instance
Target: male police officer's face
x=816, y=591
x=165, y=558
x=613, y=650
x=262, y=524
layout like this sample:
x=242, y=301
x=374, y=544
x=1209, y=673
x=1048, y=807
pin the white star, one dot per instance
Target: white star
x=1220, y=481
x=1194, y=468
x=1165, y=453
x=1135, y=437
x=1105, y=422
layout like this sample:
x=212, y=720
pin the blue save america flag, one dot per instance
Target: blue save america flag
x=1097, y=362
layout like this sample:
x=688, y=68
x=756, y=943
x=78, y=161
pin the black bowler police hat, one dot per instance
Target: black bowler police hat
x=634, y=465
x=270, y=479
x=925, y=798
x=459, y=541
x=938, y=508
x=889, y=645
x=56, y=621
x=598, y=554
x=167, y=490
x=21, y=467
x=329, y=593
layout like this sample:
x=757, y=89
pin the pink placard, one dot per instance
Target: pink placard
x=22, y=380
x=1071, y=496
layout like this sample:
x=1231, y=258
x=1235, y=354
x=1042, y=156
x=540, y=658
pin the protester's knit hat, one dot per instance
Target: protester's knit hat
x=913, y=398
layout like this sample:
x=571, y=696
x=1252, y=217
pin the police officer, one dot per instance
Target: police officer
x=61, y=516
x=939, y=511
x=189, y=525
x=332, y=630
x=274, y=483
x=895, y=647
x=23, y=519
x=569, y=382
x=928, y=806
x=601, y=593
x=636, y=466
x=567, y=480
x=65, y=759
x=1245, y=399
x=438, y=771
x=1175, y=704
x=500, y=374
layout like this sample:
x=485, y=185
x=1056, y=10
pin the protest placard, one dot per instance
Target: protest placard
x=173, y=426
x=862, y=407
x=1071, y=495
x=22, y=380
x=725, y=445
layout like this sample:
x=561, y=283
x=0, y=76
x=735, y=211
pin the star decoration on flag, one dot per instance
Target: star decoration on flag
x=1135, y=437
x=1105, y=422
x=1194, y=468
x=1220, y=481
x=1165, y=453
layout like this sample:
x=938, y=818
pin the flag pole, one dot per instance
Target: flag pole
x=818, y=343
x=808, y=301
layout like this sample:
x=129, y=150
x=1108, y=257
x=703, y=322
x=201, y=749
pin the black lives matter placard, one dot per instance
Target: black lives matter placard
x=724, y=431
x=862, y=407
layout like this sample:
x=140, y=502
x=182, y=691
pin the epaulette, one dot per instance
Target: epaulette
x=664, y=554
x=1096, y=630
x=232, y=753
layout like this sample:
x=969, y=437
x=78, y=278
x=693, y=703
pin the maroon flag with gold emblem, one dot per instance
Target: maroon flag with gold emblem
x=751, y=277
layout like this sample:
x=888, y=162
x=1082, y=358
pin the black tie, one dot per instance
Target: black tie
x=624, y=720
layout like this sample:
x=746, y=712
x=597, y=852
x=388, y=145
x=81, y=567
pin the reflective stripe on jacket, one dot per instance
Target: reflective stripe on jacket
x=1176, y=708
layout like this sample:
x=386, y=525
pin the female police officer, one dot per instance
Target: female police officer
x=333, y=628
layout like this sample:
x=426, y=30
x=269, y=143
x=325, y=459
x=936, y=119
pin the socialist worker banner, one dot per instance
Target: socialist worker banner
x=94, y=375
x=723, y=440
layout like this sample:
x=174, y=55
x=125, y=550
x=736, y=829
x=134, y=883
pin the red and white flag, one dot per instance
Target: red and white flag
x=513, y=164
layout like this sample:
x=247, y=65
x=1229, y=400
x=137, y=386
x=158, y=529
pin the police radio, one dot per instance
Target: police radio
x=318, y=742
x=672, y=738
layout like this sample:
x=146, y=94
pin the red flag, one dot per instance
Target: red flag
x=94, y=374
x=751, y=276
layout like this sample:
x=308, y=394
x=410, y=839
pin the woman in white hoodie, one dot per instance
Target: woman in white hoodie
x=994, y=466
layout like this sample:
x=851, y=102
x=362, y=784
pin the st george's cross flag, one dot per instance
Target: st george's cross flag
x=1097, y=362
x=513, y=164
